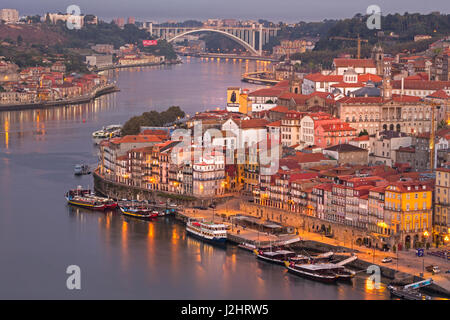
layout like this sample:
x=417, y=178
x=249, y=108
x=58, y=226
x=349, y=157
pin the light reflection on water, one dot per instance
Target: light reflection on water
x=121, y=257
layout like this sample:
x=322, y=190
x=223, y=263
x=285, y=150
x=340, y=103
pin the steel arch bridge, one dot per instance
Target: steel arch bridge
x=245, y=36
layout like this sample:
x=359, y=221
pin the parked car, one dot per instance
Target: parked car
x=212, y=205
x=386, y=260
x=433, y=269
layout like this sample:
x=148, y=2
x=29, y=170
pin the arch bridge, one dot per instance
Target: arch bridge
x=250, y=38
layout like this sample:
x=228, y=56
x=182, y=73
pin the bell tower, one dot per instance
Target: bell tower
x=386, y=88
x=378, y=58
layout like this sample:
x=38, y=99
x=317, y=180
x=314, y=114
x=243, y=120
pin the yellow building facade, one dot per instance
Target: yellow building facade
x=409, y=212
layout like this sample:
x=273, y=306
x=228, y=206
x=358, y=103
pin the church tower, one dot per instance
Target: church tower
x=386, y=88
x=378, y=57
x=295, y=85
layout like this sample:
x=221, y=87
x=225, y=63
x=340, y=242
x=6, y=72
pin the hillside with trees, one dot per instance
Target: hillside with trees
x=152, y=119
x=397, y=35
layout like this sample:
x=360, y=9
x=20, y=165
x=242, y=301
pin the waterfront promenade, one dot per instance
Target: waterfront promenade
x=95, y=93
x=403, y=262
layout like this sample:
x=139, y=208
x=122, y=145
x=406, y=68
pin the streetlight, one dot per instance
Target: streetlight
x=425, y=234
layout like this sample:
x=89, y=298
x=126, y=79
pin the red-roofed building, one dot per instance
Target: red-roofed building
x=361, y=66
x=387, y=112
x=326, y=135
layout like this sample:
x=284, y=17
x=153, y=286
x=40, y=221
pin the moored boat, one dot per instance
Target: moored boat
x=407, y=294
x=86, y=199
x=108, y=132
x=207, y=231
x=247, y=246
x=280, y=256
x=321, y=271
x=138, y=212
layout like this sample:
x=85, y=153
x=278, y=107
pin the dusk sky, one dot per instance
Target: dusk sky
x=282, y=10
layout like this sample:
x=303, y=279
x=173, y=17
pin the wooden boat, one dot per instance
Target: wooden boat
x=247, y=246
x=320, y=272
x=86, y=199
x=280, y=256
x=138, y=212
x=407, y=294
x=410, y=291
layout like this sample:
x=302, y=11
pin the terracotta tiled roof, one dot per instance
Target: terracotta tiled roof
x=318, y=77
x=356, y=63
x=136, y=138
x=369, y=77
x=302, y=157
x=282, y=109
x=267, y=92
x=402, y=186
x=348, y=85
x=440, y=94
x=364, y=137
x=420, y=84
x=339, y=126
x=345, y=147
x=253, y=123
x=274, y=124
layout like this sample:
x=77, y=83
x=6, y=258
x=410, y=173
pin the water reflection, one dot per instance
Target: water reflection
x=123, y=257
x=33, y=124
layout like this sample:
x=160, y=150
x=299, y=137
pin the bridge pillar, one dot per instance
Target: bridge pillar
x=260, y=39
x=252, y=43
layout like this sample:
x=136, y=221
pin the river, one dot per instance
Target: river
x=40, y=236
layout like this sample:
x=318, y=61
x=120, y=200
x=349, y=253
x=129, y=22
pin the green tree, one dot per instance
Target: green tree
x=152, y=119
x=363, y=133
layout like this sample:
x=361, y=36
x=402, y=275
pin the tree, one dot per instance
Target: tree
x=363, y=133
x=152, y=119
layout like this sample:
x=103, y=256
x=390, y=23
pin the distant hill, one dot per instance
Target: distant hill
x=40, y=34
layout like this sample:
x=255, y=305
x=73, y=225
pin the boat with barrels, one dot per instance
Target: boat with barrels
x=85, y=198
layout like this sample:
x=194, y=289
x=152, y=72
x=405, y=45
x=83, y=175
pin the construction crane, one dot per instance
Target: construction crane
x=359, y=40
x=434, y=106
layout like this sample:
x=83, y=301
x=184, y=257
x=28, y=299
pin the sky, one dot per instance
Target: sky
x=272, y=10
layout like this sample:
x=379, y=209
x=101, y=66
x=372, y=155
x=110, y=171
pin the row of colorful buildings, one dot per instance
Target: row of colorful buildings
x=40, y=84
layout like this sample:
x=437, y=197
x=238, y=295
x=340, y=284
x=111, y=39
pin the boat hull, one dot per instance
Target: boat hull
x=267, y=259
x=311, y=276
x=87, y=205
x=138, y=215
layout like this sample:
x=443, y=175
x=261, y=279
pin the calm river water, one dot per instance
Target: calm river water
x=119, y=257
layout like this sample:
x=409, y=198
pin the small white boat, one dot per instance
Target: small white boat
x=107, y=132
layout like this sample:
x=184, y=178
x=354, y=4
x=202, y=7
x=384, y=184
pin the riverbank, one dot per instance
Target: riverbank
x=404, y=269
x=110, y=88
x=123, y=66
x=255, y=77
x=231, y=56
